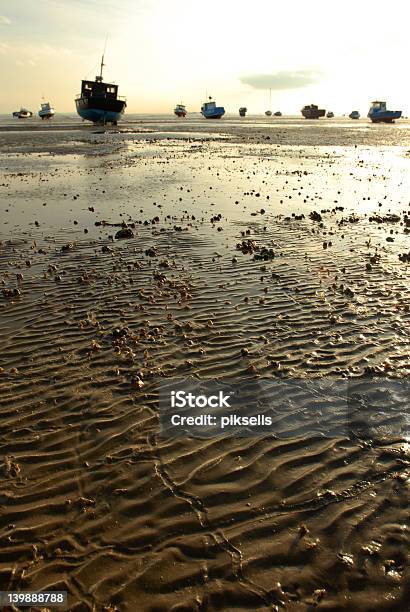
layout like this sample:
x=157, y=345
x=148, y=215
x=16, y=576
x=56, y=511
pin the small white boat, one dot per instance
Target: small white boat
x=354, y=115
x=46, y=111
x=23, y=113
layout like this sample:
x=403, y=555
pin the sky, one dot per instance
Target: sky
x=339, y=55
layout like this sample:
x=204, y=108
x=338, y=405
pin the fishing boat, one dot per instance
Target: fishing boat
x=242, y=111
x=46, y=111
x=378, y=113
x=312, y=111
x=180, y=110
x=23, y=113
x=99, y=101
x=268, y=113
x=277, y=114
x=354, y=115
x=210, y=111
x=330, y=115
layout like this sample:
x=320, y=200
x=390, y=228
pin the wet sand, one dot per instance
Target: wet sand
x=93, y=499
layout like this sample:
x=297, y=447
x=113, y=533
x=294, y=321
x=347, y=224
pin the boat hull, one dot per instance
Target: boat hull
x=180, y=114
x=385, y=116
x=22, y=114
x=100, y=110
x=216, y=115
x=313, y=114
x=47, y=115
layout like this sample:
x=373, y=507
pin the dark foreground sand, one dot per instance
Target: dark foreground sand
x=93, y=499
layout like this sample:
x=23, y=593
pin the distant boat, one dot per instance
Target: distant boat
x=312, y=111
x=180, y=110
x=210, y=111
x=23, y=113
x=268, y=113
x=378, y=113
x=46, y=111
x=330, y=115
x=277, y=114
x=242, y=111
x=99, y=102
x=354, y=115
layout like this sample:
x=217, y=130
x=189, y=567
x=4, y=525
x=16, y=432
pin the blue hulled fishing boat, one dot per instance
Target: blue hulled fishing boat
x=378, y=113
x=180, y=110
x=210, y=111
x=46, y=111
x=99, y=102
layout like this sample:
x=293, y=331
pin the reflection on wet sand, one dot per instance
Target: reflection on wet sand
x=126, y=261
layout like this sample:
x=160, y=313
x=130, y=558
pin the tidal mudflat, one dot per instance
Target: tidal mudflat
x=152, y=252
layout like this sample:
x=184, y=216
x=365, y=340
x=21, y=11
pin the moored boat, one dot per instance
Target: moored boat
x=311, y=111
x=99, y=102
x=180, y=110
x=46, y=111
x=354, y=115
x=242, y=111
x=210, y=111
x=23, y=113
x=277, y=114
x=378, y=113
x=330, y=115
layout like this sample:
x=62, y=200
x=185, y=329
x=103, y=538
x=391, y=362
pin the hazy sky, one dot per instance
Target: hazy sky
x=340, y=55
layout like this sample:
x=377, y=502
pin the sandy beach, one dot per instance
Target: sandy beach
x=162, y=249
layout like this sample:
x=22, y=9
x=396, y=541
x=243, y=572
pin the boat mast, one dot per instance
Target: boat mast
x=102, y=65
x=102, y=59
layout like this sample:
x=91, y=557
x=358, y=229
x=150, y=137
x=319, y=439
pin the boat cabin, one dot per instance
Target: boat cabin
x=378, y=106
x=209, y=105
x=98, y=88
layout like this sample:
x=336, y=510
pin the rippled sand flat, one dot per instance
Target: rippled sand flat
x=93, y=499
